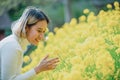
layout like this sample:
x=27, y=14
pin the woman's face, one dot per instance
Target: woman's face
x=36, y=32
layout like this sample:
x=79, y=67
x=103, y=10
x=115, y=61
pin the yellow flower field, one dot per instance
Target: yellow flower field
x=88, y=48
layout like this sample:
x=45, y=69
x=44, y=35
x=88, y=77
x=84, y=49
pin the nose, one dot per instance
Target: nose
x=41, y=37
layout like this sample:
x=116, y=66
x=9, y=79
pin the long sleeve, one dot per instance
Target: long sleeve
x=11, y=63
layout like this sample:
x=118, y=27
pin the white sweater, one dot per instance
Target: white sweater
x=11, y=59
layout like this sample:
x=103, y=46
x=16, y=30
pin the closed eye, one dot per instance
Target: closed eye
x=43, y=31
x=39, y=30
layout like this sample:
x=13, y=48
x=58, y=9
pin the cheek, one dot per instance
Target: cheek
x=31, y=35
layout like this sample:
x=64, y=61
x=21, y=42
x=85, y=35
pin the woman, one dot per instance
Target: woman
x=29, y=29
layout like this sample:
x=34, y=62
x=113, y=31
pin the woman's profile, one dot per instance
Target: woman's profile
x=28, y=29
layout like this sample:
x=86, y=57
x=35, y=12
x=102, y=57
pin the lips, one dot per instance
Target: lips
x=37, y=40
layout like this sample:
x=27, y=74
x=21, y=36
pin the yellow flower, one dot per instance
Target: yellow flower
x=86, y=11
x=116, y=4
x=67, y=77
x=116, y=40
x=73, y=22
x=91, y=17
x=76, y=75
x=56, y=29
x=47, y=30
x=26, y=58
x=109, y=6
x=75, y=60
x=118, y=51
x=82, y=48
x=82, y=18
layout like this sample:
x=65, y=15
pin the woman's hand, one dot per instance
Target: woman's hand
x=46, y=64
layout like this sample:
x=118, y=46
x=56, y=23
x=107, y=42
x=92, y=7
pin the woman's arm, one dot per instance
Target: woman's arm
x=10, y=70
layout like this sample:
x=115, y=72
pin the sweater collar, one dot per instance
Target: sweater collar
x=23, y=42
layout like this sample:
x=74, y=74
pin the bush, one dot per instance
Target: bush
x=88, y=49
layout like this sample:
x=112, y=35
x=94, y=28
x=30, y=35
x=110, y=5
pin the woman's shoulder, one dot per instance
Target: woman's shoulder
x=9, y=41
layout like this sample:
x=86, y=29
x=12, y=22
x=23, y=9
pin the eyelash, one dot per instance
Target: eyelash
x=41, y=31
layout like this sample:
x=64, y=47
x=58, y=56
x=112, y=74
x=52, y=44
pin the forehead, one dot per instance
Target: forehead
x=41, y=24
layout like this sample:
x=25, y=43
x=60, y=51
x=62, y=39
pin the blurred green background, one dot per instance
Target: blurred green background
x=59, y=11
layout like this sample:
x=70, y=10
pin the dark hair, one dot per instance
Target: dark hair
x=30, y=17
x=37, y=14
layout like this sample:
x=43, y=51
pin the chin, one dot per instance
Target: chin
x=35, y=44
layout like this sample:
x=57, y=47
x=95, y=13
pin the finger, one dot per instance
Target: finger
x=46, y=57
x=51, y=63
x=52, y=66
x=53, y=60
